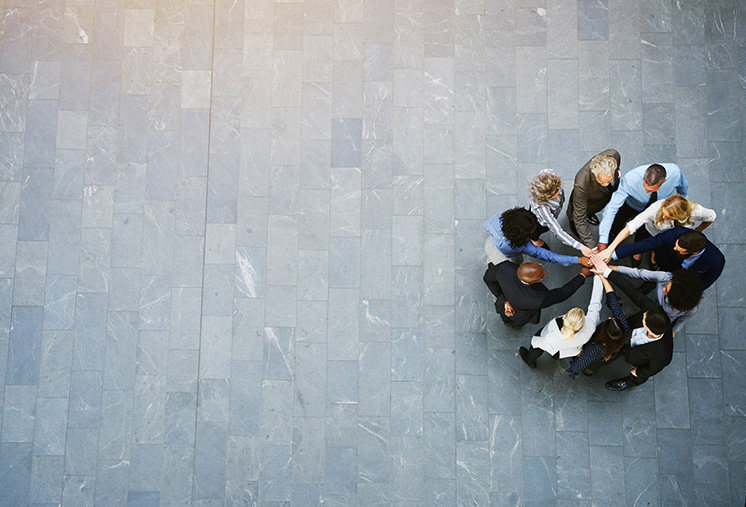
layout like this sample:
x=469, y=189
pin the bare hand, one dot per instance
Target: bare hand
x=601, y=246
x=605, y=255
x=584, y=261
x=585, y=272
x=509, y=311
x=598, y=263
x=585, y=251
x=634, y=371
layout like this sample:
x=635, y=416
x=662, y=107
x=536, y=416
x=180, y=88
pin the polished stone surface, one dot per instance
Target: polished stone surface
x=241, y=251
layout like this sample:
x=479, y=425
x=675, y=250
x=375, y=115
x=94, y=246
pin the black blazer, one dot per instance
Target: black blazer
x=709, y=266
x=526, y=300
x=652, y=357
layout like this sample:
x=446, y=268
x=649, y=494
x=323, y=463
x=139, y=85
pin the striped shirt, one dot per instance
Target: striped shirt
x=547, y=213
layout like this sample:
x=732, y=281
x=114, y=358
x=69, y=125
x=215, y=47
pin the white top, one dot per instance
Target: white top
x=551, y=338
x=647, y=218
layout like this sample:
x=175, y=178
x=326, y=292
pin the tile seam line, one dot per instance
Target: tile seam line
x=204, y=250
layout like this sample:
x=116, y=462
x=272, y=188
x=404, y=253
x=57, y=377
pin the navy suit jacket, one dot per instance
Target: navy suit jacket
x=709, y=266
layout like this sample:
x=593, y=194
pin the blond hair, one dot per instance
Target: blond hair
x=604, y=165
x=544, y=186
x=678, y=208
x=572, y=322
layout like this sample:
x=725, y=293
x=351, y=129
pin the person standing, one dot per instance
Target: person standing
x=638, y=189
x=565, y=336
x=547, y=199
x=594, y=184
x=520, y=293
x=650, y=345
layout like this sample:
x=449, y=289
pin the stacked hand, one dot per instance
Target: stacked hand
x=598, y=264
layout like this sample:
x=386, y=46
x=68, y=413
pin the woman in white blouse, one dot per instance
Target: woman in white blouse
x=663, y=215
x=566, y=335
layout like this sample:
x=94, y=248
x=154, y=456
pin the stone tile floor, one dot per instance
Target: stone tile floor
x=241, y=250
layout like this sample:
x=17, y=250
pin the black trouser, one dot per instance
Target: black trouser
x=534, y=354
x=624, y=215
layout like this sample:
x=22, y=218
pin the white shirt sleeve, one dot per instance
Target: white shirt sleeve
x=702, y=214
x=646, y=216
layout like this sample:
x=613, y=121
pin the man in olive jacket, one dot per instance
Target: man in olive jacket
x=594, y=184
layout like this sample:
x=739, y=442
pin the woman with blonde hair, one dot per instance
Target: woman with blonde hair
x=547, y=199
x=565, y=336
x=663, y=215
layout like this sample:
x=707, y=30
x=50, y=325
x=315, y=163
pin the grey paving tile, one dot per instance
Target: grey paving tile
x=209, y=461
x=593, y=20
x=81, y=452
x=593, y=80
x=15, y=464
x=24, y=346
x=176, y=479
x=19, y=412
x=605, y=460
x=374, y=380
x=670, y=396
x=340, y=471
x=437, y=383
x=117, y=423
x=85, y=399
x=308, y=452
x=46, y=479
x=56, y=360
x=30, y=270
x=641, y=480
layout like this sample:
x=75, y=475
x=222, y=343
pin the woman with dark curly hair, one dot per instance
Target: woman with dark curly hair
x=510, y=234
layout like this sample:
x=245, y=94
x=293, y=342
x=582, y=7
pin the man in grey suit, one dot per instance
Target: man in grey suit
x=594, y=184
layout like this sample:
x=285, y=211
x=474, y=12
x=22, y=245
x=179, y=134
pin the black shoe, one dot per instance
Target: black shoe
x=523, y=352
x=617, y=385
x=647, y=287
x=587, y=373
x=593, y=220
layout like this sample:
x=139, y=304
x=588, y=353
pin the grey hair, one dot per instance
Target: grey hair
x=604, y=165
x=544, y=186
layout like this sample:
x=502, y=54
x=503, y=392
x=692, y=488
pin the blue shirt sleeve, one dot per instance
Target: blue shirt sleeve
x=617, y=199
x=683, y=187
x=546, y=255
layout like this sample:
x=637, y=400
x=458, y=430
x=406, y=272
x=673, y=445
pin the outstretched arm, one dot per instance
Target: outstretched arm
x=644, y=274
x=665, y=238
x=546, y=215
x=594, y=307
x=617, y=199
x=562, y=293
x=546, y=255
x=643, y=302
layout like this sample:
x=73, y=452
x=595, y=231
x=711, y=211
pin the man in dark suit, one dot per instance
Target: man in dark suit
x=520, y=293
x=650, y=347
x=678, y=248
x=594, y=184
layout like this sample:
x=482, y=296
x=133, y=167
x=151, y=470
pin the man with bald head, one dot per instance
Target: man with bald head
x=520, y=293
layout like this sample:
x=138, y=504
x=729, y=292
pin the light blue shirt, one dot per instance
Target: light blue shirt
x=494, y=227
x=687, y=263
x=632, y=192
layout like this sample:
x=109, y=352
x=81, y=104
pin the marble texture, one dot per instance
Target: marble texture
x=242, y=251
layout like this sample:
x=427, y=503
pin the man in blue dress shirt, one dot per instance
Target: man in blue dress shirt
x=638, y=189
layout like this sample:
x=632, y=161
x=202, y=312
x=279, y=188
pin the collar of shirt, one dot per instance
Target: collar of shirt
x=686, y=263
x=640, y=337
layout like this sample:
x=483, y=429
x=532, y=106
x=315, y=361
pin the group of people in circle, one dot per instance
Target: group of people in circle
x=648, y=202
